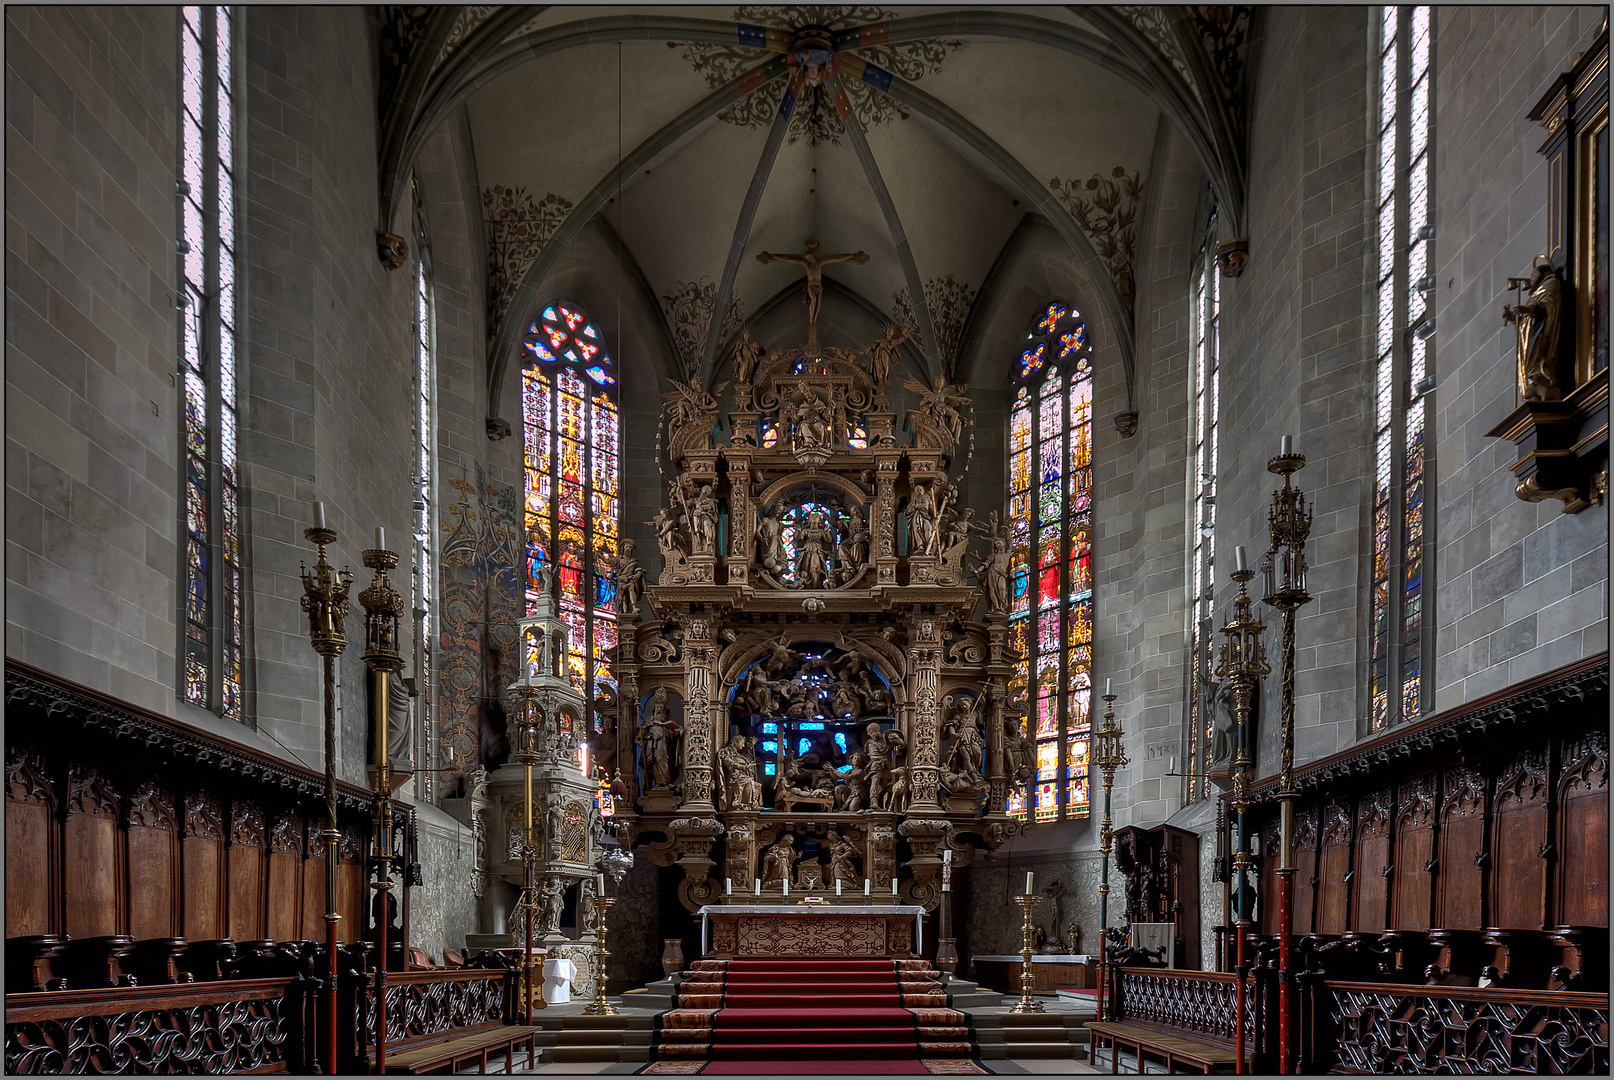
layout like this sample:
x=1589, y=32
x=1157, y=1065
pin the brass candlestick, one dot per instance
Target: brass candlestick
x=383, y=608
x=325, y=599
x=1109, y=755
x=1027, y=1003
x=527, y=736
x=1243, y=660
x=1289, y=525
x=599, y=1006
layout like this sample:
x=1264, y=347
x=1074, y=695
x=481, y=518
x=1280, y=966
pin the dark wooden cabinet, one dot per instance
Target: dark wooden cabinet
x=1160, y=869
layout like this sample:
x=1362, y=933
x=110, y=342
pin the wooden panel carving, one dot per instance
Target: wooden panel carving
x=1413, y=906
x=1305, y=884
x=1460, y=849
x=202, y=854
x=92, y=863
x=350, y=888
x=1268, y=889
x=314, y=901
x=30, y=846
x=1583, y=832
x=153, y=862
x=283, y=912
x=1334, y=872
x=1519, y=843
x=1371, y=863
x=246, y=872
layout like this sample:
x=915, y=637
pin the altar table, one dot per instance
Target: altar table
x=834, y=931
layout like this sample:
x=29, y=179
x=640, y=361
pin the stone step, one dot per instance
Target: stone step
x=1043, y=1050
x=597, y=1052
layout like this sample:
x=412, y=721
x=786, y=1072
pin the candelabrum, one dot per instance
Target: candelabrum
x=1027, y=1003
x=325, y=599
x=383, y=610
x=1243, y=660
x=602, y=910
x=1289, y=525
x=1107, y=755
x=527, y=736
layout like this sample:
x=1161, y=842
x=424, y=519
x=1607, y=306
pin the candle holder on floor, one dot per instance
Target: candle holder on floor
x=1027, y=1003
x=599, y=1006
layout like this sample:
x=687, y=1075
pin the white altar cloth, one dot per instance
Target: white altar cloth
x=558, y=977
x=815, y=909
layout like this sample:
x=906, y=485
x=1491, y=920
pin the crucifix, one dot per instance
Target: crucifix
x=813, y=263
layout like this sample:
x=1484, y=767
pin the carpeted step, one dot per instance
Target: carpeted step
x=811, y=1051
x=816, y=1017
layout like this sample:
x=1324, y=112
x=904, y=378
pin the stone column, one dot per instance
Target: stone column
x=701, y=715
x=741, y=527
x=883, y=522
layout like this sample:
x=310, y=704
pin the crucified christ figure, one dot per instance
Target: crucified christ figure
x=814, y=264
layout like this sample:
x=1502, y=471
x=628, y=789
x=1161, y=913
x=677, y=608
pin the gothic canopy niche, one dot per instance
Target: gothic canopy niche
x=702, y=136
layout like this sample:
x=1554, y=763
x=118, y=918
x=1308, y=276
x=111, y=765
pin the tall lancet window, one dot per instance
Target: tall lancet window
x=424, y=578
x=1206, y=390
x=569, y=407
x=1400, y=631
x=1050, y=539
x=212, y=639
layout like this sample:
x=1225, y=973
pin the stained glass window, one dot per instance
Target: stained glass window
x=573, y=485
x=212, y=642
x=1404, y=318
x=1205, y=384
x=425, y=469
x=1050, y=542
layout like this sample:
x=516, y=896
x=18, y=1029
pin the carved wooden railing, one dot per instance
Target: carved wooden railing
x=1422, y=1030
x=1200, y=1004
x=230, y=1025
x=423, y=1004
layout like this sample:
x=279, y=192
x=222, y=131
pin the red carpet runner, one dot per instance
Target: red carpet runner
x=812, y=1011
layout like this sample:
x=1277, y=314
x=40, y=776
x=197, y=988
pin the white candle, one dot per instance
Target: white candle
x=319, y=515
x=1108, y=690
x=865, y=888
x=893, y=886
x=785, y=885
x=1028, y=883
x=947, y=887
x=380, y=538
x=947, y=855
x=837, y=886
x=1173, y=767
x=599, y=884
x=1238, y=559
x=728, y=886
x=756, y=887
x=1286, y=446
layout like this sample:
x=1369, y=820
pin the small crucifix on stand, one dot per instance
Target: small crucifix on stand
x=1054, y=891
x=813, y=263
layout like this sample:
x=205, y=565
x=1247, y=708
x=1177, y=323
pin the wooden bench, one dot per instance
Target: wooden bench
x=1179, y=1018
x=442, y=1020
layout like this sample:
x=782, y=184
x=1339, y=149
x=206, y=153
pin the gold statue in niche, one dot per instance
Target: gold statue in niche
x=1537, y=320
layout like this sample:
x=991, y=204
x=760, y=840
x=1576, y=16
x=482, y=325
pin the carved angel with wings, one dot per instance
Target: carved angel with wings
x=688, y=406
x=942, y=402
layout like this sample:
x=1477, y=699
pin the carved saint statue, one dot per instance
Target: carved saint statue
x=779, y=861
x=770, y=546
x=813, y=542
x=852, y=553
x=737, y=776
x=1019, y=752
x=994, y=574
x=841, y=852
x=883, y=354
x=552, y=902
x=585, y=907
x=670, y=537
x=1537, y=321
x=656, y=738
x=922, y=520
x=747, y=354
x=813, y=263
x=965, y=728
x=629, y=578
x=703, y=522
x=810, y=420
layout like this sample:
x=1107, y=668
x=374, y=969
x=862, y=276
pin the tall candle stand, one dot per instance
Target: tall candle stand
x=1027, y=1003
x=1289, y=525
x=1108, y=755
x=325, y=600
x=383, y=609
x=1242, y=661
x=600, y=1006
x=527, y=740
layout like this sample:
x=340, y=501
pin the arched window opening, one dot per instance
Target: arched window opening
x=1050, y=539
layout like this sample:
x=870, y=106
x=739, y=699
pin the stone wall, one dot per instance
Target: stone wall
x=993, y=923
x=93, y=409
x=443, y=911
x=1520, y=588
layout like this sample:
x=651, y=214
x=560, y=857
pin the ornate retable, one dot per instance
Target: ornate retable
x=854, y=931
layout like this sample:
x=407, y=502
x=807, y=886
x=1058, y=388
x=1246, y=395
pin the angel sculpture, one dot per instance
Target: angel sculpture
x=941, y=401
x=690, y=408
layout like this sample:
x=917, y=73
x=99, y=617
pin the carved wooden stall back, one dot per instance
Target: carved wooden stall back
x=1488, y=822
x=123, y=822
x=1583, y=829
x=1413, y=901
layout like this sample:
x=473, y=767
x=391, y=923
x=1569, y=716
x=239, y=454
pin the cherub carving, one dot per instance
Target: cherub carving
x=941, y=401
